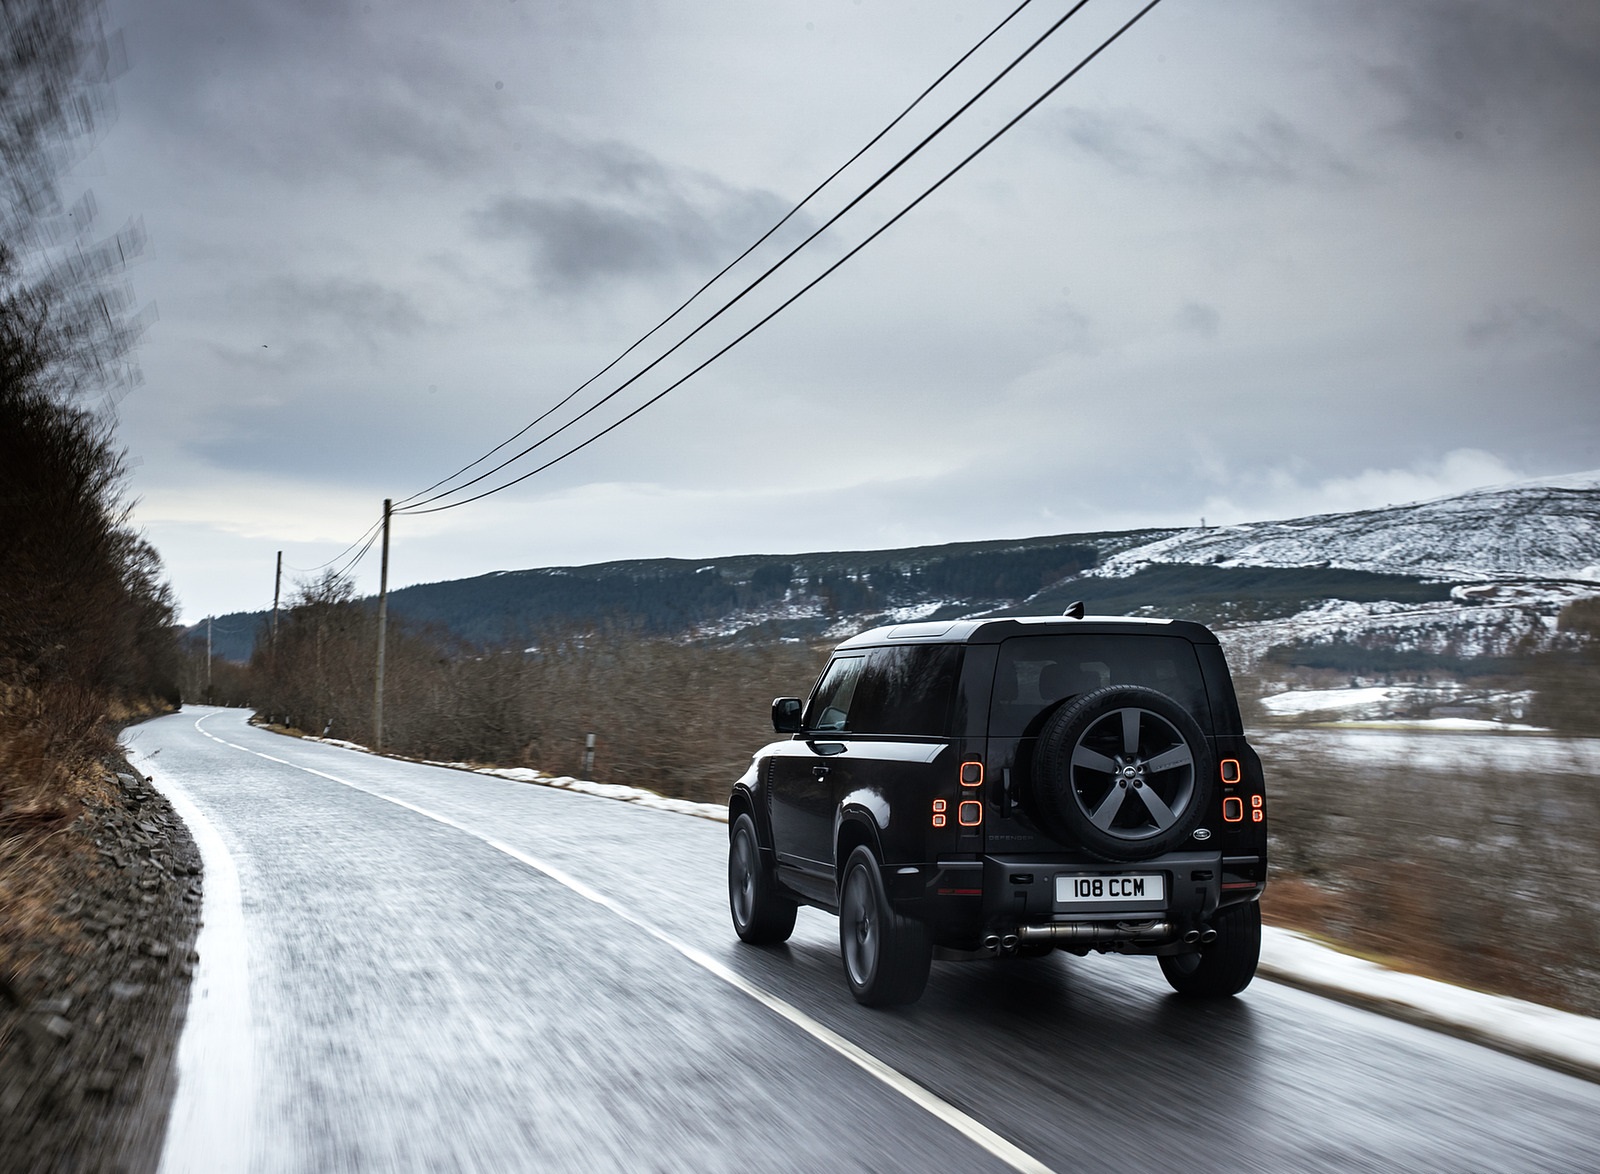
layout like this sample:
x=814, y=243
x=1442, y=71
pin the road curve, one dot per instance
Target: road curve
x=424, y=968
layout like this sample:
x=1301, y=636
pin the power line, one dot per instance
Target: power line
x=364, y=536
x=345, y=570
x=728, y=305
x=761, y=240
x=985, y=145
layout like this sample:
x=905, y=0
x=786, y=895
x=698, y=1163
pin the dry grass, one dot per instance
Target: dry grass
x=53, y=743
x=36, y=874
x=48, y=739
x=1478, y=876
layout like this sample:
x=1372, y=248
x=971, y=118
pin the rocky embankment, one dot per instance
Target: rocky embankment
x=92, y=1003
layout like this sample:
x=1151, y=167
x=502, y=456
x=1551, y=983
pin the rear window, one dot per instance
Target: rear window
x=906, y=690
x=1034, y=672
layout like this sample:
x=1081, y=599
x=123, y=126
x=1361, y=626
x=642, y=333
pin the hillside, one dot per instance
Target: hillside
x=1480, y=574
x=1546, y=530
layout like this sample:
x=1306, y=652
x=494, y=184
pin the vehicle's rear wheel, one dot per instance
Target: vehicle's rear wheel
x=1226, y=966
x=886, y=955
x=762, y=916
x=1124, y=771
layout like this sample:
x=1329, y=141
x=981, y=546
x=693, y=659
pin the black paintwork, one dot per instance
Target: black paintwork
x=816, y=795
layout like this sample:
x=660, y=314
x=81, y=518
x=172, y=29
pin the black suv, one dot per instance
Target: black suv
x=984, y=788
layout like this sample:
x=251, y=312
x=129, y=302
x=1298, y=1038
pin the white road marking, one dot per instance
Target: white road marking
x=970, y=1128
x=213, y=1108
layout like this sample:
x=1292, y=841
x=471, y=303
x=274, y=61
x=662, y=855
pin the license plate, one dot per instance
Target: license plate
x=1124, y=890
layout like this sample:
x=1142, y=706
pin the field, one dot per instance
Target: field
x=1467, y=856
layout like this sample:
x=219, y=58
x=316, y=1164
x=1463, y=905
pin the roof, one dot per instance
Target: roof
x=992, y=631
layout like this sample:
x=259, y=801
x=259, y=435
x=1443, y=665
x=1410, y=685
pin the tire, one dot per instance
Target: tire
x=762, y=915
x=1124, y=771
x=1226, y=966
x=886, y=955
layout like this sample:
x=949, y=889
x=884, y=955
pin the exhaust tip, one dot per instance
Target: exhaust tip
x=1191, y=937
x=991, y=942
x=1207, y=937
x=1009, y=943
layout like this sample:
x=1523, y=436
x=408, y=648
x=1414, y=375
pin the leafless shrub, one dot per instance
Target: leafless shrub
x=1485, y=874
x=674, y=717
x=1567, y=681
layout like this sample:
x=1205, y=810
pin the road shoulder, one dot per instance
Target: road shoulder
x=1557, y=1039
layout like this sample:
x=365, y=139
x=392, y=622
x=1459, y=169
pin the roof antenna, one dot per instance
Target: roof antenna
x=1074, y=610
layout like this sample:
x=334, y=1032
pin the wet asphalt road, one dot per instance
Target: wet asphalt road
x=420, y=999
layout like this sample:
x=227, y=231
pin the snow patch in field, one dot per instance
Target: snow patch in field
x=1403, y=706
x=1332, y=700
x=918, y=611
x=1450, y=724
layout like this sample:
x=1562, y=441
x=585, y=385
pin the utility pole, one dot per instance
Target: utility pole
x=383, y=625
x=277, y=586
x=208, y=660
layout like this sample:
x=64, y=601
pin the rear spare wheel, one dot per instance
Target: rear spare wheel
x=1123, y=771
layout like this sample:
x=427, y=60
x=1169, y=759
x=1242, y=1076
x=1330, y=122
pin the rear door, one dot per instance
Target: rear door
x=1036, y=674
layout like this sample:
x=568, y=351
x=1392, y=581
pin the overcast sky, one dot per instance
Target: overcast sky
x=1261, y=258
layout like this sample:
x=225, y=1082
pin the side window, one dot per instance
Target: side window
x=907, y=690
x=830, y=704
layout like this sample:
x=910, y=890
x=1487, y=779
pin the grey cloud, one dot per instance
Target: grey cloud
x=304, y=323
x=282, y=356
x=1526, y=320
x=1068, y=329
x=1200, y=318
x=575, y=241
x=1485, y=73
x=363, y=309
x=1274, y=151
x=359, y=130
x=314, y=91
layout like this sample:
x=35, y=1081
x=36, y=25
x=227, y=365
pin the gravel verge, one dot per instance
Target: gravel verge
x=91, y=1006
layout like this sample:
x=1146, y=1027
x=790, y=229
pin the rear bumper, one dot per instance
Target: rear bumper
x=966, y=903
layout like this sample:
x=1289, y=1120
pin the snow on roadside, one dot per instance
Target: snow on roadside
x=518, y=774
x=638, y=795
x=1559, y=1038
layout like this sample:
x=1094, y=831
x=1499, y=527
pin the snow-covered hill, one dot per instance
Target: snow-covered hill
x=1480, y=574
x=1515, y=555
x=1544, y=530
